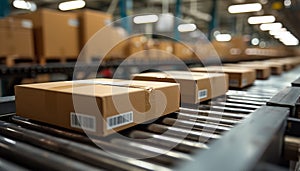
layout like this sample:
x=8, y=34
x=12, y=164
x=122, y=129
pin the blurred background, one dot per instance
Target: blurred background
x=41, y=39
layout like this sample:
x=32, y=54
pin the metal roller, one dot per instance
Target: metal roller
x=213, y=113
x=236, y=105
x=167, y=141
x=183, y=133
x=245, y=102
x=71, y=149
x=37, y=159
x=207, y=118
x=189, y=124
x=152, y=148
x=8, y=166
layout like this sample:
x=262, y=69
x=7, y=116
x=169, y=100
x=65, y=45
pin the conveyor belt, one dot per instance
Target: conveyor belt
x=27, y=144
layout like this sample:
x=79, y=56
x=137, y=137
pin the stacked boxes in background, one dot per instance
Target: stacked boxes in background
x=16, y=39
x=56, y=34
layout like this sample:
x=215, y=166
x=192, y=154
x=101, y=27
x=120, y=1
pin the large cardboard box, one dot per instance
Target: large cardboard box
x=16, y=38
x=56, y=33
x=100, y=106
x=194, y=87
x=91, y=21
x=238, y=77
x=262, y=72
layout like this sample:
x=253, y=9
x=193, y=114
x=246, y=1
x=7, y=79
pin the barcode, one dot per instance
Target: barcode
x=119, y=120
x=202, y=94
x=85, y=122
x=233, y=82
x=244, y=82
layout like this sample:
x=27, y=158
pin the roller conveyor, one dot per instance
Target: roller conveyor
x=181, y=140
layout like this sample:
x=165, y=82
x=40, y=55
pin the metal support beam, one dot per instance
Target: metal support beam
x=4, y=8
x=178, y=15
x=214, y=21
x=125, y=6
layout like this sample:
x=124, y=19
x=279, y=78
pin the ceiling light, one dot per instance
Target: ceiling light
x=71, y=5
x=276, y=32
x=223, y=37
x=255, y=41
x=270, y=26
x=144, y=19
x=287, y=3
x=261, y=19
x=243, y=8
x=21, y=4
x=186, y=27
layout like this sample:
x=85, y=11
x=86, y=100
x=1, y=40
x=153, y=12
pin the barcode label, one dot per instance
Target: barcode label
x=244, y=82
x=119, y=120
x=85, y=122
x=234, y=82
x=202, y=94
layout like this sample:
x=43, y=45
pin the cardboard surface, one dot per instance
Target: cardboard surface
x=102, y=105
x=238, y=77
x=91, y=21
x=194, y=87
x=56, y=33
x=262, y=72
x=276, y=67
x=16, y=38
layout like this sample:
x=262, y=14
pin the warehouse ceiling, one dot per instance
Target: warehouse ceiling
x=199, y=12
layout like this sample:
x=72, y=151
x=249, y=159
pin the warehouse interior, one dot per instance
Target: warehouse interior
x=150, y=85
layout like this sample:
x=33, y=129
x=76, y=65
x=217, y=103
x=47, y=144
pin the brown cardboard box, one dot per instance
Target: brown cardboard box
x=182, y=51
x=195, y=87
x=56, y=33
x=262, y=72
x=287, y=64
x=276, y=68
x=238, y=77
x=16, y=38
x=109, y=43
x=92, y=21
x=102, y=105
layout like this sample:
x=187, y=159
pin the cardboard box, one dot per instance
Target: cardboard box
x=276, y=68
x=101, y=105
x=91, y=21
x=56, y=33
x=238, y=77
x=262, y=72
x=109, y=43
x=182, y=51
x=194, y=87
x=16, y=38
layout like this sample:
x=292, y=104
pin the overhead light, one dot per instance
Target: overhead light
x=276, y=32
x=261, y=19
x=71, y=5
x=255, y=41
x=144, y=19
x=290, y=42
x=223, y=37
x=287, y=3
x=270, y=26
x=243, y=8
x=21, y=4
x=186, y=27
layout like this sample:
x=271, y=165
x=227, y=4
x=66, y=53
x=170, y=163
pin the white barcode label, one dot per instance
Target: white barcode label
x=234, y=82
x=85, y=122
x=244, y=82
x=119, y=120
x=202, y=94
